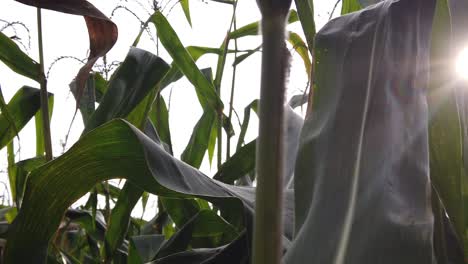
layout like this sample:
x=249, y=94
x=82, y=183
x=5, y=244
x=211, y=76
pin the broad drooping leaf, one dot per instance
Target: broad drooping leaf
x=21, y=108
x=140, y=72
x=362, y=189
x=102, y=31
x=115, y=150
x=17, y=60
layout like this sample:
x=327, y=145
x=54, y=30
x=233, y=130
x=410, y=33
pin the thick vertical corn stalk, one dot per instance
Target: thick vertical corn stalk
x=270, y=146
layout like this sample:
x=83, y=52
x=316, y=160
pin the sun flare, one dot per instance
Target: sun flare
x=462, y=64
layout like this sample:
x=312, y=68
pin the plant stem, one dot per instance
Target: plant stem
x=233, y=85
x=270, y=146
x=44, y=94
x=217, y=83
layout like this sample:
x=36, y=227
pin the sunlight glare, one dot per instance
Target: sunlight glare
x=462, y=64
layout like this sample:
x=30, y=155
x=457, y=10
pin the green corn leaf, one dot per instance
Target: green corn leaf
x=180, y=210
x=243, y=161
x=204, y=88
x=242, y=57
x=120, y=218
x=239, y=165
x=95, y=225
x=21, y=108
x=159, y=115
x=229, y=254
x=301, y=48
x=40, y=145
x=305, y=11
x=348, y=6
x=130, y=94
x=17, y=174
x=204, y=225
x=139, y=74
x=204, y=134
x=199, y=141
x=186, y=8
x=142, y=249
x=245, y=123
x=6, y=113
x=100, y=85
x=115, y=150
x=17, y=60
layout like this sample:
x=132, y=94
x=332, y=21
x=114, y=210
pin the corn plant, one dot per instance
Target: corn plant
x=373, y=174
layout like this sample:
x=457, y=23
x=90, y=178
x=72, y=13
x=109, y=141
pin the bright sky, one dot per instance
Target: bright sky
x=66, y=35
